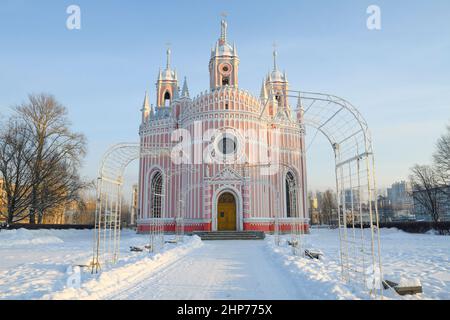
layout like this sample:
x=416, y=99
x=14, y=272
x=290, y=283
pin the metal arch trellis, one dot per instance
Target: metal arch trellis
x=106, y=236
x=348, y=133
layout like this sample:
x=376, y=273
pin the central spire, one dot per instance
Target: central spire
x=223, y=32
x=224, y=62
x=275, y=53
x=275, y=68
x=168, y=53
x=276, y=75
x=223, y=29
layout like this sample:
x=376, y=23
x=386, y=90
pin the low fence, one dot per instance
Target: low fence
x=416, y=226
x=407, y=226
x=49, y=226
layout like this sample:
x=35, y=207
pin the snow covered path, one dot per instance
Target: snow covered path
x=218, y=270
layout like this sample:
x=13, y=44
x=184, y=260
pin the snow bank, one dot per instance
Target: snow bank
x=23, y=237
x=126, y=273
x=319, y=279
x=404, y=282
x=421, y=258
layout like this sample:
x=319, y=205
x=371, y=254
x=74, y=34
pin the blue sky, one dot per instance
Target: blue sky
x=399, y=77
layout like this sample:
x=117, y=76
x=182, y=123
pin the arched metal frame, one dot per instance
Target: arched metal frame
x=109, y=203
x=106, y=242
x=349, y=136
x=348, y=133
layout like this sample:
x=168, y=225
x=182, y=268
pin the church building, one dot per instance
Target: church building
x=224, y=160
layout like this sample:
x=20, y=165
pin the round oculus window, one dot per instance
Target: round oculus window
x=225, y=69
x=227, y=145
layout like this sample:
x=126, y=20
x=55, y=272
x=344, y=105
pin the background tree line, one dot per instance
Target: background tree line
x=327, y=205
x=40, y=158
x=431, y=183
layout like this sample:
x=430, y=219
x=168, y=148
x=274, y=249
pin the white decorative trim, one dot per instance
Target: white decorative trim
x=227, y=174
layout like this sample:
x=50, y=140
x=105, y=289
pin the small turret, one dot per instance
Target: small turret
x=279, y=86
x=185, y=90
x=152, y=111
x=263, y=94
x=167, y=84
x=145, y=108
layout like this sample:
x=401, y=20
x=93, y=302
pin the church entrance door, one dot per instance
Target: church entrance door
x=226, y=212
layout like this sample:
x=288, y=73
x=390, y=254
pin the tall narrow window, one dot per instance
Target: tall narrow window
x=278, y=98
x=157, y=195
x=167, y=99
x=291, y=196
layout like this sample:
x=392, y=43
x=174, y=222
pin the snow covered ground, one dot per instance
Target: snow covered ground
x=34, y=264
x=406, y=258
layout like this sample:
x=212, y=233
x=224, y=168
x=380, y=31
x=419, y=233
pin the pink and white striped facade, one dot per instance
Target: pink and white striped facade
x=262, y=164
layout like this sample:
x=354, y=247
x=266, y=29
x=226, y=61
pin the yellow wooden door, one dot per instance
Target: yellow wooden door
x=226, y=213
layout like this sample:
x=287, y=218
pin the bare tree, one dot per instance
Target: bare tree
x=327, y=206
x=16, y=155
x=86, y=208
x=442, y=161
x=57, y=156
x=425, y=189
x=61, y=186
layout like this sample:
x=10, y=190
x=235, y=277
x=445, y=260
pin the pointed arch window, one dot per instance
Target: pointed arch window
x=226, y=81
x=278, y=99
x=156, y=195
x=167, y=99
x=291, y=195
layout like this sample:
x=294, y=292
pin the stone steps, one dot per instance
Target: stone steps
x=230, y=235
